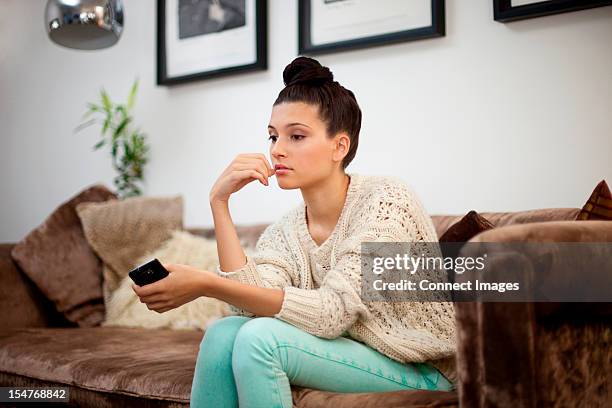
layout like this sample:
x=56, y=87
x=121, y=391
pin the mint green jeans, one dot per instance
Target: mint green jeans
x=251, y=362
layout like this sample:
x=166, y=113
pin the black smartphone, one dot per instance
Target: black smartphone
x=149, y=272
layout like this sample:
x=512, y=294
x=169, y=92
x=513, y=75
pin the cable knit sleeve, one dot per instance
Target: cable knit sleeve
x=390, y=213
x=270, y=266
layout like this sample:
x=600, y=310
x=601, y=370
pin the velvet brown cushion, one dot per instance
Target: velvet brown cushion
x=467, y=227
x=28, y=306
x=599, y=204
x=462, y=231
x=58, y=259
x=150, y=363
x=122, y=231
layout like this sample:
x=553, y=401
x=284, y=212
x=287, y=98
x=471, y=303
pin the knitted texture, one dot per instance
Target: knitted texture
x=322, y=283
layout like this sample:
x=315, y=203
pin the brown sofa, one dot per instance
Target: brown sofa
x=508, y=354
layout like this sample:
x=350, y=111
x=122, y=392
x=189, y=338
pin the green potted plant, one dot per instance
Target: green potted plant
x=129, y=149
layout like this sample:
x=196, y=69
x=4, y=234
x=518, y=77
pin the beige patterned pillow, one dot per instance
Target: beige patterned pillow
x=125, y=308
x=122, y=231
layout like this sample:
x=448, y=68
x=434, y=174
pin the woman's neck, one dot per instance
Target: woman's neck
x=324, y=201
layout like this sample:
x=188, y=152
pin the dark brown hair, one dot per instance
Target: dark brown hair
x=306, y=80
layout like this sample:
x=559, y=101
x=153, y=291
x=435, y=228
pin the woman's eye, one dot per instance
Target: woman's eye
x=296, y=137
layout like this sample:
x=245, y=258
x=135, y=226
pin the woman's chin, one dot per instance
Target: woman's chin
x=285, y=183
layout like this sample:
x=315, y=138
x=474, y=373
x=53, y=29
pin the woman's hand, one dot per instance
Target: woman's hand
x=184, y=284
x=246, y=167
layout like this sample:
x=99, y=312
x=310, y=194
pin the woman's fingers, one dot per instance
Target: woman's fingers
x=250, y=173
x=243, y=169
x=260, y=156
x=159, y=307
x=253, y=164
x=249, y=167
x=146, y=290
x=259, y=161
x=267, y=166
x=152, y=299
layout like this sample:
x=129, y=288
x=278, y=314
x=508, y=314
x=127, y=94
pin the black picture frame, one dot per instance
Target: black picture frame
x=261, y=63
x=305, y=46
x=503, y=11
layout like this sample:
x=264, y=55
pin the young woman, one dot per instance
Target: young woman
x=299, y=315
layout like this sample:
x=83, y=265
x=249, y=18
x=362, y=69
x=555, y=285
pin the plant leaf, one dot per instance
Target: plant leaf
x=128, y=145
x=92, y=108
x=106, y=125
x=132, y=96
x=106, y=101
x=120, y=108
x=128, y=152
x=121, y=127
x=84, y=125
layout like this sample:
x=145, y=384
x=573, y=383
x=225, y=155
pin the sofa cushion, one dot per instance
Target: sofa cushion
x=462, y=231
x=122, y=231
x=125, y=308
x=501, y=219
x=599, y=204
x=28, y=306
x=467, y=227
x=58, y=259
x=155, y=364
x=151, y=363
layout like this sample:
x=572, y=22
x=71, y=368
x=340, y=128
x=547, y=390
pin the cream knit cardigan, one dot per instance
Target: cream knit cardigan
x=322, y=284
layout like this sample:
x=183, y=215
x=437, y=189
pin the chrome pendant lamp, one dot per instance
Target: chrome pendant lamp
x=84, y=24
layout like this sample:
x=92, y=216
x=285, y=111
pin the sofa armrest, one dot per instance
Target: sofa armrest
x=551, y=232
x=22, y=303
x=508, y=353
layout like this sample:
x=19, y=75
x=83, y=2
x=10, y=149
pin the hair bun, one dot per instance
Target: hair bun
x=308, y=71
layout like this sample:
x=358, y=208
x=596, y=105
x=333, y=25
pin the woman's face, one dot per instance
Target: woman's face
x=298, y=140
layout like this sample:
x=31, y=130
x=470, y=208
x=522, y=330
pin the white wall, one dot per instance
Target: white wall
x=493, y=116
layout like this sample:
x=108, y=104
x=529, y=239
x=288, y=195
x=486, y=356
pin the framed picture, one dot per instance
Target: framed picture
x=201, y=39
x=511, y=10
x=327, y=26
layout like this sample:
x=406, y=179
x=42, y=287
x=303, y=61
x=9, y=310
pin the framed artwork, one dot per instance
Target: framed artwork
x=511, y=10
x=201, y=39
x=327, y=26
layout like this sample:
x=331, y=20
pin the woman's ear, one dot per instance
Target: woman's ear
x=342, y=144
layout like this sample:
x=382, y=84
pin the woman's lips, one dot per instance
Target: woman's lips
x=281, y=171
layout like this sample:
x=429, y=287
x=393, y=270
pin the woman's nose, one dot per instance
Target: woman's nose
x=277, y=149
